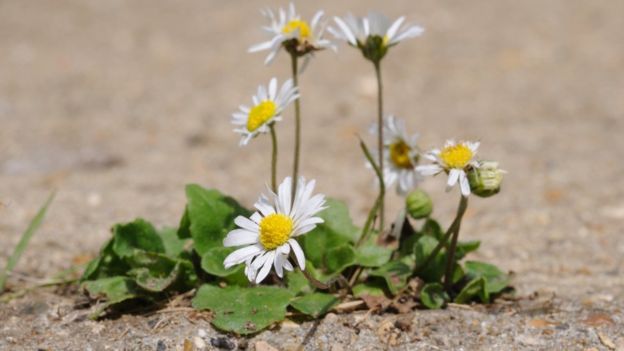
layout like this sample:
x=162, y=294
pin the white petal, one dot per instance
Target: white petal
x=241, y=255
x=285, y=196
x=238, y=237
x=298, y=253
x=272, y=89
x=278, y=263
x=246, y=223
x=261, y=46
x=453, y=177
x=394, y=27
x=346, y=31
x=266, y=268
x=427, y=170
x=464, y=184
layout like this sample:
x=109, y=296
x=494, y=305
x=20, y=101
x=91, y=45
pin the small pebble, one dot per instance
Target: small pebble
x=223, y=342
x=202, y=333
x=199, y=343
x=264, y=346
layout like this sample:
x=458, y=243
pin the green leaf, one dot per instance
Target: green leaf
x=466, y=247
x=184, y=229
x=156, y=272
x=496, y=280
x=106, y=264
x=395, y=274
x=315, y=304
x=297, y=282
x=135, y=236
x=211, y=216
x=243, y=310
x=432, y=228
x=212, y=262
x=434, y=270
x=433, y=296
x=475, y=288
x=339, y=258
x=173, y=245
x=24, y=240
x=372, y=255
x=368, y=289
x=114, y=289
x=338, y=220
x=337, y=230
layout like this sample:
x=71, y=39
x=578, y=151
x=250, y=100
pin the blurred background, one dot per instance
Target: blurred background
x=119, y=104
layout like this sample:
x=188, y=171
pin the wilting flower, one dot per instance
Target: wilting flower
x=296, y=35
x=373, y=34
x=270, y=233
x=268, y=104
x=400, y=155
x=456, y=159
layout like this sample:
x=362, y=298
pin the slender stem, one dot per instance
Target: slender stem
x=450, y=257
x=380, y=138
x=375, y=208
x=273, y=159
x=295, y=77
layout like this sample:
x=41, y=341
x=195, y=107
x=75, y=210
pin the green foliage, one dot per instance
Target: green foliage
x=209, y=217
x=395, y=274
x=243, y=310
x=496, y=280
x=315, y=304
x=140, y=262
x=337, y=230
x=433, y=296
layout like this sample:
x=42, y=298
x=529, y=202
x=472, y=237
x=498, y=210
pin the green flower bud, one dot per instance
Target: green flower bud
x=486, y=180
x=374, y=48
x=418, y=204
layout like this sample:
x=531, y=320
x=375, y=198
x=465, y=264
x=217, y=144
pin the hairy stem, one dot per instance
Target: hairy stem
x=295, y=77
x=375, y=208
x=273, y=159
x=450, y=257
x=380, y=138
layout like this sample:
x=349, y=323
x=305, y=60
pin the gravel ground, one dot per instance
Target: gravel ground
x=118, y=104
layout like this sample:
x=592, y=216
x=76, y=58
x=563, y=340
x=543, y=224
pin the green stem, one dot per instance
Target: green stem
x=450, y=257
x=375, y=208
x=380, y=138
x=295, y=77
x=273, y=159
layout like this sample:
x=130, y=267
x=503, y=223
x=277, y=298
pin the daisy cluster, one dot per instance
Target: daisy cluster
x=297, y=235
x=269, y=236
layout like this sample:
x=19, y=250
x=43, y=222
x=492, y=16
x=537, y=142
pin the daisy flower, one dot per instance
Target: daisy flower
x=455, y=159
x=373, y=34
x=400, y=155
x=270, y=233
x=296, y=35
x=268, y=104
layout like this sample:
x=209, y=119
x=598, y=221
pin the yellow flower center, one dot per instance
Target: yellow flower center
x=400, y=154
x=293, y=25
x=275, y=230
x=456, y=156
x=260, y=114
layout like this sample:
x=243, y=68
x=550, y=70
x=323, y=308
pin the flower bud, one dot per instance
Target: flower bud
x=485, y=181
x=418, y=204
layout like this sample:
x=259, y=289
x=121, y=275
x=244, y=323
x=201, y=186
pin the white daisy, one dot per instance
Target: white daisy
x=400, y=155
x=289, y=30
x=455, y=159
x=270, y=233
x=268, y=104
x=375, y=29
